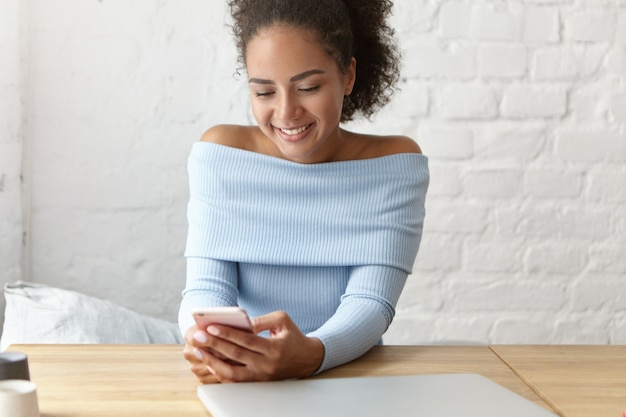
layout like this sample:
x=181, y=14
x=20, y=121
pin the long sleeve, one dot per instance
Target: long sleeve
x=366, y=311
x=209, y=283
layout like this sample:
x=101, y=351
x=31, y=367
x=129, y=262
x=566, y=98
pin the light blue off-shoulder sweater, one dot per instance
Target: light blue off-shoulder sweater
x=331, y=243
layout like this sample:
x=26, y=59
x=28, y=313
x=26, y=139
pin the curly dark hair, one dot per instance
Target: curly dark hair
x=346, y=28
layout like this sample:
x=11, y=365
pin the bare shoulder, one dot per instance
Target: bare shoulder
x=401, y=144
x=372, y=146
x=235, y=136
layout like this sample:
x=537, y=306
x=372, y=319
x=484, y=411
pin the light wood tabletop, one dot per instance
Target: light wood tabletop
x=112, y=380
x=155, y=381
x=577, y=381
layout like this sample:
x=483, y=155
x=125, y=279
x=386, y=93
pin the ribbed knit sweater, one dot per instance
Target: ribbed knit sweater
x=330, y=243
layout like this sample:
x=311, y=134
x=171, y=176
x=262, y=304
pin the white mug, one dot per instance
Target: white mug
x=18, y=398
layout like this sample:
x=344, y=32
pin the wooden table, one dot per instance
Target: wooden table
x=577, y=381
x=154, y=380
x=112, y=380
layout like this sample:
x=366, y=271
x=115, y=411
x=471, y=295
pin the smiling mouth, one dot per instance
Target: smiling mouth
x=293, y=132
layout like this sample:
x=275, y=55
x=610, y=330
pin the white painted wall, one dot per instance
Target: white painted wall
x=521, y=108
x=12, y=124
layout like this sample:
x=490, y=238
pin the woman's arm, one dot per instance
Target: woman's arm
x=366, y=311
x=210, y=283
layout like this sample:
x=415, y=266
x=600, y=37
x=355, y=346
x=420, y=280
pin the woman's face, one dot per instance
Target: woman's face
x=296, y=92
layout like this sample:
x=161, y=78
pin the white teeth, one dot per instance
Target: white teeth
x=294, y=131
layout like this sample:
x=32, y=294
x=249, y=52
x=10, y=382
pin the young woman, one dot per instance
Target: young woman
x=311, y=228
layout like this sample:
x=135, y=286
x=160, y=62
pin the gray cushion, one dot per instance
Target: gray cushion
x=37, y=313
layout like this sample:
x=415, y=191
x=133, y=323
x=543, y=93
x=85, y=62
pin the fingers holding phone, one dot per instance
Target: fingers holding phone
x=226, y=346
x=234, y=317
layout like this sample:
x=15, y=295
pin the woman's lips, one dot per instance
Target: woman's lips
x=294, y=134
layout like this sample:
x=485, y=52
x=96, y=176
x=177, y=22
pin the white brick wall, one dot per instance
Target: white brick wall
x=521, y=108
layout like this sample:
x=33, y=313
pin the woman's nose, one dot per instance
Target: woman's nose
x=289, y=107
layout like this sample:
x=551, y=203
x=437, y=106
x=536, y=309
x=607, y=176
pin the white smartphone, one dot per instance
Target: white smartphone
x=227, y=316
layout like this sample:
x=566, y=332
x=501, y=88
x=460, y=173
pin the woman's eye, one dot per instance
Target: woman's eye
x=263, y=93
x=309, y=89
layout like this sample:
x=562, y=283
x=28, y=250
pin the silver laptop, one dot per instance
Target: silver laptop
x=439, y=395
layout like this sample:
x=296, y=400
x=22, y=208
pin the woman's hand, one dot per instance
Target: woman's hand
x=194, y=356
x=229, y=355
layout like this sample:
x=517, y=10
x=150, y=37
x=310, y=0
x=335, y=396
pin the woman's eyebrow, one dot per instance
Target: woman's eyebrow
x=305, y=74
x=296, y=77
